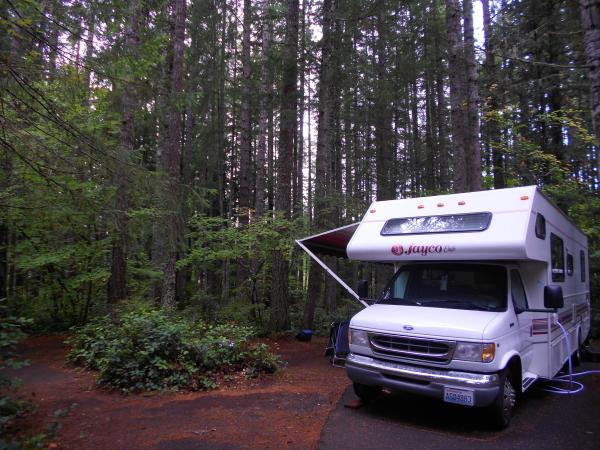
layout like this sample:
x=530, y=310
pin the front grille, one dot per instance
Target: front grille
x=412, y=348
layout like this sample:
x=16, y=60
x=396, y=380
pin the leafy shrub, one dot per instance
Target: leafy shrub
x=10, y=335
x=150, y=350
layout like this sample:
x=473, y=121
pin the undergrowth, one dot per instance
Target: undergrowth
x=149, y=349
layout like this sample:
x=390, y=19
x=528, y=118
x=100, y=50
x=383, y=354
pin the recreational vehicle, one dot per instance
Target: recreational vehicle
x=487, y=288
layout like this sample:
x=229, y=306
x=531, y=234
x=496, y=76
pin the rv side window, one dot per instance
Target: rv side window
x=569, y=264
x=558, y=258
x=517, y=291
x=582, y=260
x=540, y=226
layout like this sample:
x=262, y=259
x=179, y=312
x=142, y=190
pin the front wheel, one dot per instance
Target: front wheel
x=504, y=404
x=366, y=393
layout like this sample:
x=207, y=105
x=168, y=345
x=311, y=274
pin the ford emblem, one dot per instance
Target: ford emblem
x=408, y=328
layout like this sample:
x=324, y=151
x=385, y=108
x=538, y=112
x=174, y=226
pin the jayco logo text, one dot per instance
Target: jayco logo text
x=422, y=250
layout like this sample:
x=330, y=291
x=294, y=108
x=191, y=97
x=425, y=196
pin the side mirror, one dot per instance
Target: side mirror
x=363, y=289
x=553, y=297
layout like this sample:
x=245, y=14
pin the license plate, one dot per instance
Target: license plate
x=458, y=396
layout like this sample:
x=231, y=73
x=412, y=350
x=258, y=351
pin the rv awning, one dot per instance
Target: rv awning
x=332, y=242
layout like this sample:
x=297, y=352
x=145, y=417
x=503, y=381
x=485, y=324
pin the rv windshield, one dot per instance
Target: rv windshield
x=459, y=286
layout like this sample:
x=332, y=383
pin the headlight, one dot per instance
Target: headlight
x=358, y=337
x=468, y=351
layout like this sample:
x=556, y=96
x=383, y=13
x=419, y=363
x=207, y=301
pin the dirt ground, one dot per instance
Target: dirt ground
x=284, y=410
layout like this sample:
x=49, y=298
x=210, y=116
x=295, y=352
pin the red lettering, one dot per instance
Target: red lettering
x=423, y=250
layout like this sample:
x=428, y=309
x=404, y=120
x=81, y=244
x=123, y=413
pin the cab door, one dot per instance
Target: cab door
x=520, y=305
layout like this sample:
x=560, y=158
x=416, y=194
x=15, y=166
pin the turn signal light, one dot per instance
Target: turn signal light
x=488, y=352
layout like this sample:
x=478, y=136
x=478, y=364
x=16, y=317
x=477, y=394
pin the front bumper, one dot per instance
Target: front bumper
x=421, y=380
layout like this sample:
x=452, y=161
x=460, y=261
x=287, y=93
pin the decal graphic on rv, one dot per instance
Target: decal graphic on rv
x=422, y=250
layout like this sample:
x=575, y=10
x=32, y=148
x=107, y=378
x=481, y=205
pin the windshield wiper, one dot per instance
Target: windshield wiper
x=441, y=302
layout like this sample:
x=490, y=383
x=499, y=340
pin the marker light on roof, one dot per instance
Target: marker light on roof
x=525, y=197
x=440, y=205
x=373, y=211
x=421, y=206
x=461, y=203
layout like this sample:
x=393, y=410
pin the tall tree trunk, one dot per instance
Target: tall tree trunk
x=245, y=120
x=386, y=183
x=89, y=53
x=265, y=94
x=117, y=284
x=5, y=158
x=323, y=156
x=245, y=169
x=472, y=148
x=299, y=163
x=491, y=131
x=171, y=161
x=590, y=20
x=287, y=127
x=456, y=74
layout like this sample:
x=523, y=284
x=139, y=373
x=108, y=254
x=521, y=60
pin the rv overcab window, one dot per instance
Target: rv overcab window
x=452, y=223
x=557, y=258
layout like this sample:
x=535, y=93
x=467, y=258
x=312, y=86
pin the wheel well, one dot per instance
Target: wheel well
x=515, y=373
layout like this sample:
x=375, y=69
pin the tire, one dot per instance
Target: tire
x=501, y=410
x=366, y=393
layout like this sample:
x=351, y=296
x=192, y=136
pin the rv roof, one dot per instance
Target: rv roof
x=485, y=225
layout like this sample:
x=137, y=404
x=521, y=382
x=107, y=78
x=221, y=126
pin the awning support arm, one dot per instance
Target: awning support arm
x=332, y=273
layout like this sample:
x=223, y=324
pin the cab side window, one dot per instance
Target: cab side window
x=517, y=291
x=540, y=226
x=569, y=264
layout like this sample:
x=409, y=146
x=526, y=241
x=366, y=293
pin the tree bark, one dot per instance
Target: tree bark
x=245, y=202
x=472, y=147
x=289, y=105
x=590, y=21
x=491, y=132
x=171, y=161
x=457, y=93
x=261, y=148
x=323, y=156
x=386, y=183
x=117, y=283
x=265, y=94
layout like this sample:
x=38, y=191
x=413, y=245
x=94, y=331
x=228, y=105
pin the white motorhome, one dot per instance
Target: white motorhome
x=483, y=283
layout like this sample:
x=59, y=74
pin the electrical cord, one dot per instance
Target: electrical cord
x=557, y=384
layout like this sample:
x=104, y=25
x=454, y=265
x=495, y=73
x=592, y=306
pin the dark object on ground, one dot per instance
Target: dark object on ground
x=304, y=335
x=354, y=404
x=588, y=353
x=338, y=347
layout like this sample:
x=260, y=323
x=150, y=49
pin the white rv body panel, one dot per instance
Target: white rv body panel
x=526, y=243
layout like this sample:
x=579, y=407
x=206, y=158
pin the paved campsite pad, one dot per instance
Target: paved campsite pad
x=402, y=421
x=285, y=410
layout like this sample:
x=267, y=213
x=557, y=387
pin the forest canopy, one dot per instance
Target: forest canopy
x=170, y=151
